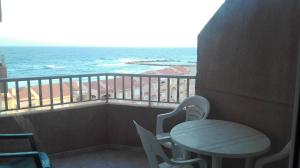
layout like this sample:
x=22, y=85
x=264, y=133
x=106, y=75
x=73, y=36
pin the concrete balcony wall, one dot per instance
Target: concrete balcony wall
x=82, y=127
x=247, y=56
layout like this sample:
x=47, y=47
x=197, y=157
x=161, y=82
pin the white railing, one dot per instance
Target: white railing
x=35, y=92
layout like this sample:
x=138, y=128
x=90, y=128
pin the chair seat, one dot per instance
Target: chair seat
x=27, y=162
x=167, y=165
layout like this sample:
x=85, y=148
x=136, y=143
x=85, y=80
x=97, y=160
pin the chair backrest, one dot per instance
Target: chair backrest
x=196, y=107
x=274, y=157
x=151, y=146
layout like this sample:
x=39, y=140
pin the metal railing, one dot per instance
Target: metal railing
x=35, y=92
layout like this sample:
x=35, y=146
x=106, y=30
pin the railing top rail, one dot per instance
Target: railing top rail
x=91, y=75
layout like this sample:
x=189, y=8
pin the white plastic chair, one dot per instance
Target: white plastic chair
x=154, y=150
x=196, y=108
x=274, y=157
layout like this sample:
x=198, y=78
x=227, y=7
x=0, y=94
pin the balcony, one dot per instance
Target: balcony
x=86, y=124
x=246, y=69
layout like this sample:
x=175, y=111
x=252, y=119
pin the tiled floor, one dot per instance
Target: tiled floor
x=102, y=159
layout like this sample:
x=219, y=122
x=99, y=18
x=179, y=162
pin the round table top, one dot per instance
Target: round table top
x=220, y=138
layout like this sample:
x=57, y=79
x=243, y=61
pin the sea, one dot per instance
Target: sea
x=53, y=61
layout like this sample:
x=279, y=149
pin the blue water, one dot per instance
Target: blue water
x=48, y=61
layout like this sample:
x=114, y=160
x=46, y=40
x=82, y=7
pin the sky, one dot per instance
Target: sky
x=105, y=23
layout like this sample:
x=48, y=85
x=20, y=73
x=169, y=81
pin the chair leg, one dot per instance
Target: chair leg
x=179, y=153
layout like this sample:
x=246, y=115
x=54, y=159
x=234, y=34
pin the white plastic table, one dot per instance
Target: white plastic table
x=220, y=139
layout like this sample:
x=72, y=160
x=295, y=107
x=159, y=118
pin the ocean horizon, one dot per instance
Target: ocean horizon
x=31, y=61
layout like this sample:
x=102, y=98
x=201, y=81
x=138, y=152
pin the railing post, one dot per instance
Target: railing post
x=141, y=88
x=158, y=90
x=149, y=91
x=98, y=87
x=131, y=87
x=106, y=81
x=178, y=89
x=29, y=93
x=115, y=87
x=71, y=89
x=51, y=93
x=5, y=95
x=40, y=93
x=17, y=95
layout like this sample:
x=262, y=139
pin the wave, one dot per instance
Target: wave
x=124, y=71
x=112, y=65
x=52, y=66
x=134, y=60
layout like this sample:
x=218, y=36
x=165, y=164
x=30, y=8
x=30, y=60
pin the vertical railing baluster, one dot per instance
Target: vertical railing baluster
x=131, y=78
x=188, y=87
x=141, y=88
x=5, y=85
x=61, y=94
x=90, y=88
x=40, y=92
x=158, y=90
x=71, y=89
x=149, y=91
x=178, y=80
x=168, y=90
x=115, y=87
x=98, y=87
x=29, y=93
x=123, y=87
x=17, y=94
x=106, y=82
x=80, y=88
x=51, y=93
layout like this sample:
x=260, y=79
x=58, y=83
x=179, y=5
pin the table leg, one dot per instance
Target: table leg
x=249, y=163
x=216, y=162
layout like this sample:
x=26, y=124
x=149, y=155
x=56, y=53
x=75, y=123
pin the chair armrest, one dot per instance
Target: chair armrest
x=163, y=137
x=160, y=118
x=33, y=154
x=16, y=136
x=28, y=136
x=19, y=154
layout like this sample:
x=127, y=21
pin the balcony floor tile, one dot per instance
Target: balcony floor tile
x=103, y=159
